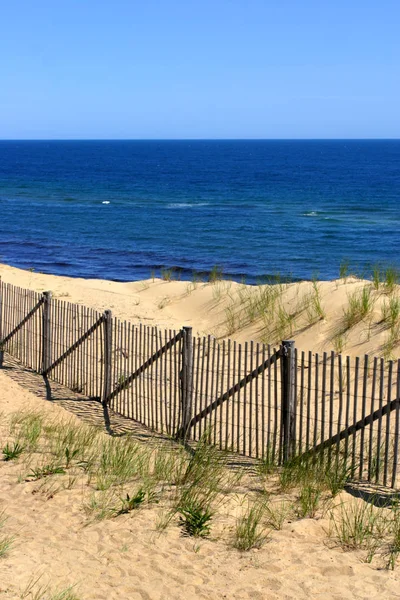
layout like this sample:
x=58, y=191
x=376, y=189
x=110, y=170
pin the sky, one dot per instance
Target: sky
x=179, y=69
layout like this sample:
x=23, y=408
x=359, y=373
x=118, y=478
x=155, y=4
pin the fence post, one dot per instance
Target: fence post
x=107, y=354
x=288, y=399
x=1, y=325
x=46, y=331
x=1, y=310
x=187, y=380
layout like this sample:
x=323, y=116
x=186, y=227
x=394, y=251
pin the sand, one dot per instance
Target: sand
x=204, y=306
x=125, y=557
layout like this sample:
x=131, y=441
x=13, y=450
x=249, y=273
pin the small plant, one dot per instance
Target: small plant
x=215, y=274
x=339, y=342
x=391, y=279
x=167, y=274
x=376, y=277
x=46, y=471
x=393, y=550
x=196, y=279
x=309, y=499
x=344, y=269
x=189, y=288
x=337, y=474
x=119, y=461
x=28, y=427
x=320, y=471
x=356, y=525
x=164, y=519
x=6, y=541
x=249, y=532
x=316, y=304
x=163, y=302
x=168, y=465
x=69, y=442
x=131, y=503
x=100, y=505
x=360, y=305
x=285, y=322
x=217, y=291
x=390, y=343
x=11, y=452
x=206, y=467
x=69, y=456
x=230, y=320
x=34, y=591
x=294, y=472
x=391, y=311
x=195, y=519
x=242, y=293
x=202, y=481
x=276, y=513
x=267, y=465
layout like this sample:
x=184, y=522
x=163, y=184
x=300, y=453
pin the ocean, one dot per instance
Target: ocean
x=126, y=210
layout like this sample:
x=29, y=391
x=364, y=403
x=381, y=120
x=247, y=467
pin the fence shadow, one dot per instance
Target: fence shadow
x=377, y=495
x=96, y=414
x=89, y=410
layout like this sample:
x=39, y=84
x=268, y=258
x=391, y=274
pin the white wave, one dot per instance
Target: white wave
x=106, y=202
x=187, y=204
x=312, y=213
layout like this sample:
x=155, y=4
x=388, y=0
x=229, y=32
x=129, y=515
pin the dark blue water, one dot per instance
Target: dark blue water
x=122, y=209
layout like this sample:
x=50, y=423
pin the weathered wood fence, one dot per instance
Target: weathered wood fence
x=263, y=402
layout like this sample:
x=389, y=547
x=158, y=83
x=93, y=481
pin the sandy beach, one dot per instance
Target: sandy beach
x=56, y=545
x=126, y=557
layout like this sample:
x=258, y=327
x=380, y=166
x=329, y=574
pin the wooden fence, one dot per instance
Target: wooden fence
x=263, y=402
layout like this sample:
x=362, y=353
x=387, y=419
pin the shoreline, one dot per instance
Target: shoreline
x=181, y=274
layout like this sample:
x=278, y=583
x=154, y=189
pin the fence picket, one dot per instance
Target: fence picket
x=363, y=413
x=397, y=425
x=379, y=440
x=387, y=437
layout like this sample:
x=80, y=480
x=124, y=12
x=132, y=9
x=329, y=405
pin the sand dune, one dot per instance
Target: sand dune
x=228, y=309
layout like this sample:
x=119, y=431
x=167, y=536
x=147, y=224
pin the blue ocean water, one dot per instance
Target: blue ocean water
x=122, y=209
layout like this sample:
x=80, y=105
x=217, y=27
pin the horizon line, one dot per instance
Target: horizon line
x=201, y=139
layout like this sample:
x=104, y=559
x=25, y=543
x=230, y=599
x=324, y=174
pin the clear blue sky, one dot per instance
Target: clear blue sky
x=199, y=69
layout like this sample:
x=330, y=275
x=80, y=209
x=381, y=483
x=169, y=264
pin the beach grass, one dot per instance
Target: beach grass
x=360, y=305
x=6, y=540
x=215, y=274
x=250, y=530
x=35, y=590
x=191, y=489
x=277, y=512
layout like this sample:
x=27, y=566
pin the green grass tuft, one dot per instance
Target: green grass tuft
x=12, y=451
x=195, y=518
x=250, y=532
x=360, y=305
x=215, y=274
